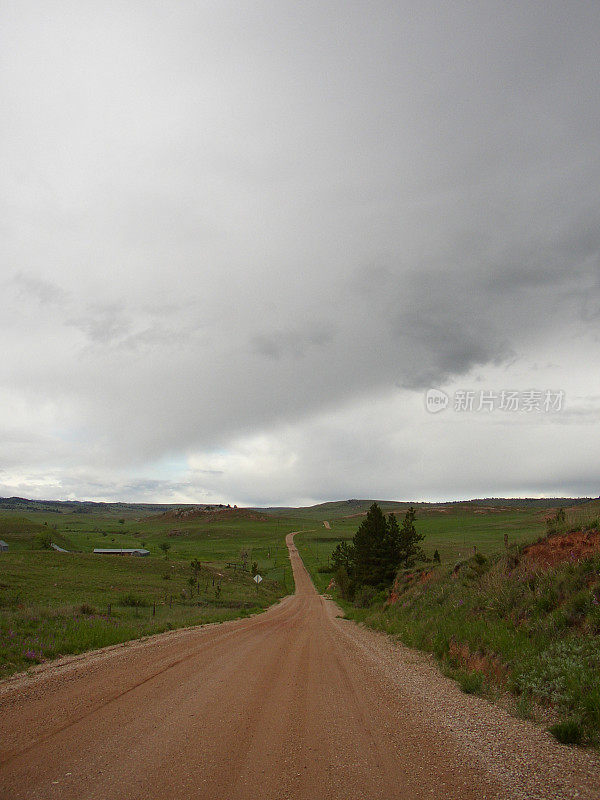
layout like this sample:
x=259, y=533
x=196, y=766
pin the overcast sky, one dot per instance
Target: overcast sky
x=241, y=240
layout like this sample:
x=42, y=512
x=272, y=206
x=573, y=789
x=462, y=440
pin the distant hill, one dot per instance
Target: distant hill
x=334, y=509
x=211, y=513
x=349, y=508
x=82, y=507
x=591, y=505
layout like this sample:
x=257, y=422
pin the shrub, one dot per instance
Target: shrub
x=381, y=597
x=43, y=542
x=574, y=610
x=470, y=682
x=165, y=547
x=523, y=706
x=548, y=598
x=590, y=706
x=132, y=601
x=364, y=596
x=87, y=610
x=567, y=732
x=343, y=583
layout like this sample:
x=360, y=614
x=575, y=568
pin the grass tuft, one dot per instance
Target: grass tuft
x=568, y=732
x=470, y=682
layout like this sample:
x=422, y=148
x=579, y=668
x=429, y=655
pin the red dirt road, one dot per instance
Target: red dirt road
x=282, y=705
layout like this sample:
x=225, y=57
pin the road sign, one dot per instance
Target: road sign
x=258, y=579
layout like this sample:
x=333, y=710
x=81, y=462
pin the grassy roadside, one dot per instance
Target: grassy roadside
x=501, y=626
x=54, y=604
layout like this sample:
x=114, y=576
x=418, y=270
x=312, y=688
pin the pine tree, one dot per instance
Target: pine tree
x=393, y=549
x=379, y=548
x=410, y=549
x=343, y=556
x=376, y=549
x=369, y=548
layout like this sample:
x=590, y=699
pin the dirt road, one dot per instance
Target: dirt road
x=293, y=703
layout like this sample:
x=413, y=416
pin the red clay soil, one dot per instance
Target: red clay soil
x=556, y=549
x=488, y=665
x=422, y=576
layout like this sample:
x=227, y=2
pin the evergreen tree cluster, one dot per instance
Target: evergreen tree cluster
x=380, y=547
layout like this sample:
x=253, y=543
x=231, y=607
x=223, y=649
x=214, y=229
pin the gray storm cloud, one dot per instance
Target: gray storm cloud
x=222, y=219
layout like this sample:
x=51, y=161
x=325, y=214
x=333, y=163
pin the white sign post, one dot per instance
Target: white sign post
x=257, y=579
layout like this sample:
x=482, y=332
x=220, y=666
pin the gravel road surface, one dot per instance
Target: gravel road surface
x=292, y=703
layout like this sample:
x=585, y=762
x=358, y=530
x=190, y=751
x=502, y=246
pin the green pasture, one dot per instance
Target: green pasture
x=53, y=603
x=218, y=541
x=453, y=533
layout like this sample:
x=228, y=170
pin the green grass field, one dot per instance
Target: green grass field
x=452, y=532
x=218, y=541
x=53, y=603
